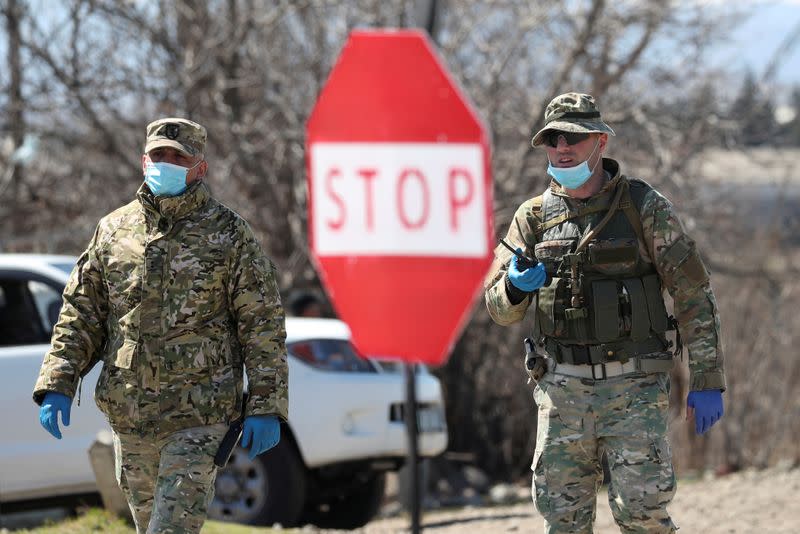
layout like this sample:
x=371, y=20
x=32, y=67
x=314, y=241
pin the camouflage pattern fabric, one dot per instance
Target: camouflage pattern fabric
x=180, y=134
x=572, y=112
x=175, y=296
x=624, y=417
x=169, y=482
x=684, y=275
x=580, y=420
x=675, y=258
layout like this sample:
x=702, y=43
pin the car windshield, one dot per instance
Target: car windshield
x=330, y=355
x=64, y=266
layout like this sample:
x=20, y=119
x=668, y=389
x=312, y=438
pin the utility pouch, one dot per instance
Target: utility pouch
x=550, y=306
x=577, y=323
x=550, y=253
x=535, y=365
x=613, y=256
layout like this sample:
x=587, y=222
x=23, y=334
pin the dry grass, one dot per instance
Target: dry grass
x=98, y=521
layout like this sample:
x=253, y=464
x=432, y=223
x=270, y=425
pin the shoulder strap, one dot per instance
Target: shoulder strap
x=555, y=221
x=591, y=234
x=632, y=213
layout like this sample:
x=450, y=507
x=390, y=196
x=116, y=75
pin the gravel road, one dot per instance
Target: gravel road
x=748, y=502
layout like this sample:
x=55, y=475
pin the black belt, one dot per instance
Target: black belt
x=619, y=351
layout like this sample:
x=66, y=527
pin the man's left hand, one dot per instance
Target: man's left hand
x=260, y=433
x=707, y=408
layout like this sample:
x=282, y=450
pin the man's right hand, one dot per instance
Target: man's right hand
x=48, y=414
x=529, y=279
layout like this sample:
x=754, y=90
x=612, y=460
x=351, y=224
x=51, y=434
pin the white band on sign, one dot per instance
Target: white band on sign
x=398, y=199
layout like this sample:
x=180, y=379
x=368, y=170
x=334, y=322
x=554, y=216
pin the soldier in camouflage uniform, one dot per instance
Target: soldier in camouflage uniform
x=606, y=246
x=177, y=299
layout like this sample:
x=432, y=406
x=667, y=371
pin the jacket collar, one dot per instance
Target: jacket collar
x=173, y=208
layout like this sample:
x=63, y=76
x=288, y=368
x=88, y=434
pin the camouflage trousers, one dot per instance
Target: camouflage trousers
x=579, y=421
x=168, y=481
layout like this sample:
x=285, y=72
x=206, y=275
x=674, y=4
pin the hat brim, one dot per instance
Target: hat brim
x=171, y=143
x=572, y=126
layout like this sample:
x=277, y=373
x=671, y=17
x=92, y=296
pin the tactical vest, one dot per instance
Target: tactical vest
x=603, y=300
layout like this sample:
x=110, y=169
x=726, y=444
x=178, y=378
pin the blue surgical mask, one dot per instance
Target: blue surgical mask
x=572, y=177
x=166, y=179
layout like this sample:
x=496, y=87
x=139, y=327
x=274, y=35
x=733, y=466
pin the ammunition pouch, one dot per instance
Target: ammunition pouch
x=614, y=309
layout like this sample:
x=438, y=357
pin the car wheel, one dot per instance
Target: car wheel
x=353, y=509
x=268, y=490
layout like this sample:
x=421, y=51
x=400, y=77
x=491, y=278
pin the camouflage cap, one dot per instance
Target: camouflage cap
x=572, y=112
x=180, y=134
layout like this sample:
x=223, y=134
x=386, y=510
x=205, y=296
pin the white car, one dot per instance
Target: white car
x=345, y=425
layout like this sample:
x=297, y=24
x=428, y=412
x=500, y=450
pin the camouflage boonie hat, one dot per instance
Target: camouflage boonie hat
x=180, y=134
x=572, y=112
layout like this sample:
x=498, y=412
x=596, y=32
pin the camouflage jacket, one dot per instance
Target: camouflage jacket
x=175, y=296
x=666, y=246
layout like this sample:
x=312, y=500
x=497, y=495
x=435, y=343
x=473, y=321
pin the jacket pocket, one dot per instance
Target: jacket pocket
x=540, y=489
x=196, y=286
x=659, y=476
x=116, y=393
x=186, y=354
x=199, y=381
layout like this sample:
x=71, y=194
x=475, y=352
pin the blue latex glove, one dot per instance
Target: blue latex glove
x=260, y=433
x=707, y=408
x=48, y=414
x=528, y=279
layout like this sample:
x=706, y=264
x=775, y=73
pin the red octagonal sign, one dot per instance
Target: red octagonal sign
x=400, y=196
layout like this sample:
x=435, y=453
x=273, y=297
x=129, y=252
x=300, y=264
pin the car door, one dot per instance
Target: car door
x=33, y=464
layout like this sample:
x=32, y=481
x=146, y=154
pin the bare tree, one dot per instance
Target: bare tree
x=88, y=77
x=13, y=177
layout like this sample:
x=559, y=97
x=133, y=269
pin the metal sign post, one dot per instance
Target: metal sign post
x=413, y=454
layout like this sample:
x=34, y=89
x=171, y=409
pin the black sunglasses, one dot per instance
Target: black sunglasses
x=572, y=138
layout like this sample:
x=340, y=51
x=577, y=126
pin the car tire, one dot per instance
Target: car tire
x=270, y=489
x=354, y=509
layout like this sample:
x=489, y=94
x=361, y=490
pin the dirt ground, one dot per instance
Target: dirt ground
x=749, y=502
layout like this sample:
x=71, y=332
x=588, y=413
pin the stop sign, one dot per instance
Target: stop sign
x=400, y=197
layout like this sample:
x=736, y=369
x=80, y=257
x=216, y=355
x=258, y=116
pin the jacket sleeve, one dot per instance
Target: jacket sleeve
x=501, y=309
x=80, y=333
x=260, y=325
x=686, y=278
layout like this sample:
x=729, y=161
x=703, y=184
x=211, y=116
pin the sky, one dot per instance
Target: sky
x=755, y=41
